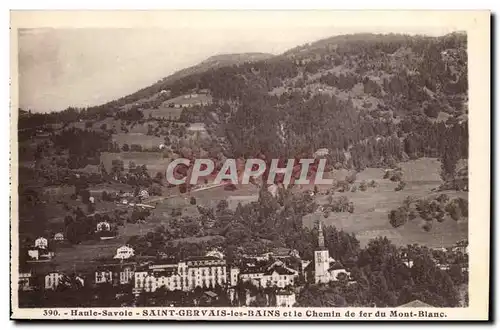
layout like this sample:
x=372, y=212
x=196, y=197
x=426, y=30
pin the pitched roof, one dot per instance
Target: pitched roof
x=280, y=270
x=211, y=294
x=416, y=303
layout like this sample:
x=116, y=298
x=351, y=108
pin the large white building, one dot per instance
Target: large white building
x=203, y=272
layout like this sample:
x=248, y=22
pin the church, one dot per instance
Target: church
x=326, y=269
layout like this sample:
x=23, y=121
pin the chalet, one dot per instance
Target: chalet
x=124, y=252
x=41, y=243
x=59, y=237
x=103, y=226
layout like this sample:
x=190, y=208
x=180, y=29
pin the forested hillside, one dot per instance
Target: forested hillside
x=372, y=100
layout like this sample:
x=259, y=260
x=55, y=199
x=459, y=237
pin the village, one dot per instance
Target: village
x=280, y=274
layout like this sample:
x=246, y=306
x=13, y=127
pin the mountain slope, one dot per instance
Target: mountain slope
x=217, y=61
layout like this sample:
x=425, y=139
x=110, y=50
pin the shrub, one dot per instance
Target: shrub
x=363, y=186
x=351, y=177
x=398, y=217
x=400, y=186
x=192, y=200
x=431, y=110
x=427, y=226
x=424, y=209
x=453, y=209
x=464, y=206
x=396, y=176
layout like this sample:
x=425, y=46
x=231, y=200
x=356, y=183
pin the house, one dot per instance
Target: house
x=33, y=254
x=143, y=194
x=25, y=280
x=116, y=274
x=285, y=298
x=126, y=274
x=211, y=296
x=103, y=275
x=264, y=275
x=336, y=269
x=41, y=243
x=215, y=253
x=197, y=127
x=321, y=152
x=59, y=237
x=39, y=254
x=103, y=226
x=124, y=252
x=52, y=280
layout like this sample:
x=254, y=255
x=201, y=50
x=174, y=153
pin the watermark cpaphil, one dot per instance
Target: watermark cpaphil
x=296, y=171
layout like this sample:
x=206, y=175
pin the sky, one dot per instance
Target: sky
x=61, y=67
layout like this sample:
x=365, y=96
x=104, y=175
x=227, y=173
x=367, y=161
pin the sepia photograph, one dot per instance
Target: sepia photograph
x=250, y=165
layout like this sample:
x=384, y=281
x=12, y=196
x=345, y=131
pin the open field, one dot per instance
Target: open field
x=163, y=112
x=154, y=161
x=146, y=141
x=83, y=255
x=371, y=207
x=189, y=100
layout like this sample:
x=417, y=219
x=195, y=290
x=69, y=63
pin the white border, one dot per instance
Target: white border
x=480, y=73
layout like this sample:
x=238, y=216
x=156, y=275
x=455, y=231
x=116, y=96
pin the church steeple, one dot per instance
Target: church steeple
x=321, y=237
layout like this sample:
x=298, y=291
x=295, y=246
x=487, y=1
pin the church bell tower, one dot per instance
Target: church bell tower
x=321, y=258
